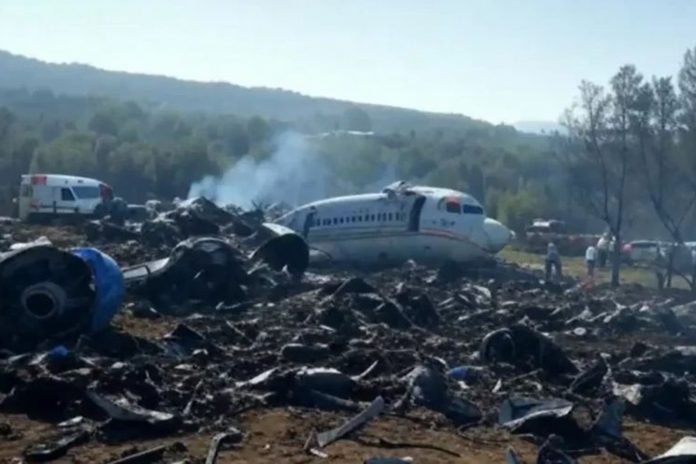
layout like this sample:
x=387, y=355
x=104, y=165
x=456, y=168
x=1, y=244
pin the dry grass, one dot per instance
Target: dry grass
x=575, y=267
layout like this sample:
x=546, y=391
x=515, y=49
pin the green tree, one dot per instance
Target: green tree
x=356, y=119
x=132, y=170
x=257, y=129
x=103, y=123
x=72, y=153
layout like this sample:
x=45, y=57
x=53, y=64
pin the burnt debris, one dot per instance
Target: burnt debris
x=178, y=324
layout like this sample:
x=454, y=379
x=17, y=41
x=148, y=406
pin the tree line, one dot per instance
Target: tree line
x=627, y=163
x=631, y=150
x=145, y=151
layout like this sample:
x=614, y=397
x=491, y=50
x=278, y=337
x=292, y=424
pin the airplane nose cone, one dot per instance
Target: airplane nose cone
x=497, y=235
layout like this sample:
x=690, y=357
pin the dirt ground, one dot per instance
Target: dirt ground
x=279, y=435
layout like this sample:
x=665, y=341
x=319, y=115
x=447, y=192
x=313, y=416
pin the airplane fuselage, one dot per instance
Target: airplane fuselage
x=400, y=223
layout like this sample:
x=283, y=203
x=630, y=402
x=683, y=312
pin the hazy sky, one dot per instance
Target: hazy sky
x=496, y=60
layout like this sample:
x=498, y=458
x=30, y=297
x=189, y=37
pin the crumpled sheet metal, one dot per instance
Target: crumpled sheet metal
x=516, y=413
x=684, y=452
x=375, y=408
x=429, y=388
x=517, y=344
x=206, y=269
x=109, y=285
x=196, y=373
x=284, y=248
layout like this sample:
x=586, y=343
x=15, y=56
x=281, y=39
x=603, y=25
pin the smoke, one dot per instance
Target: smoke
x=294, y=174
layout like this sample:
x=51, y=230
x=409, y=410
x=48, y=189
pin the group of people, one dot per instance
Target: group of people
x=595, y=256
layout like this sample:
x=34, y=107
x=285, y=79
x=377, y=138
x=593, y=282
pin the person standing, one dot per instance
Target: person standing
x=553, y=261
x=603, y=250
x=590, y=260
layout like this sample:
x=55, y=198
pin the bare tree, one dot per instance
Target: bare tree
x=687, y=90
x=670, y=188
x=687, y=111
x=601, y=151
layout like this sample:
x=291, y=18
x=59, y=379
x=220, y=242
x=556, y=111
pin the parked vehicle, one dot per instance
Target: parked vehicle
x=542, y=231
x=653, y=252
x=645, y=251
x=47, y=196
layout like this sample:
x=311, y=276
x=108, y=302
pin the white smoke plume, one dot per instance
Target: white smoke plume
x=294, y=174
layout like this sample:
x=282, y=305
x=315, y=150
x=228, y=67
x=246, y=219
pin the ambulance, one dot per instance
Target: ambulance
x=47, y=196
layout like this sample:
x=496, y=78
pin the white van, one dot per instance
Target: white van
x=44, y=196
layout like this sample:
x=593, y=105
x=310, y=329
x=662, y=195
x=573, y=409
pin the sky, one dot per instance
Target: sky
x=497, y=60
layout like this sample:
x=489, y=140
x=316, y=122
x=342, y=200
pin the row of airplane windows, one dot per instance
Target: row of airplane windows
x=380, y=217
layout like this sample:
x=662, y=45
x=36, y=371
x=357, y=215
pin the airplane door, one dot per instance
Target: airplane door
x=26, y=195
x=415, y=214
x=309, y=221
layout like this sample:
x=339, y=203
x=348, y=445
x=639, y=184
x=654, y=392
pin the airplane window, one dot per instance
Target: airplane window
x=359, y=218
x=335, y=221
x=372, y=218
x=389, y=217
x=352, y=219
x=452, y=207
x=472, y=209
x=341, y=220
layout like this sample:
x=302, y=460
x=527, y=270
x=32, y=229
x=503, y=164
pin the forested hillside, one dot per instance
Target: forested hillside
x=174, y=94
x=155, y=137
x=148, y=152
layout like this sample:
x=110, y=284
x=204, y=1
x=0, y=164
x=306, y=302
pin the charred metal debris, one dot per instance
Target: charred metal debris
x=179, y=324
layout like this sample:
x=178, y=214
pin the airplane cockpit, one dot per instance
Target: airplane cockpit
x=465, y=215
x=456, y=205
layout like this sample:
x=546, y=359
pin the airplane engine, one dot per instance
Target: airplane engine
x=283, y=247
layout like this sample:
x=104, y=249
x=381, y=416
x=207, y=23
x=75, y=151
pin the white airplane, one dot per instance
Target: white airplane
x=402, y=222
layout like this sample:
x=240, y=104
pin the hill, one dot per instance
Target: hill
x=539, y=127
x=159, y=137
x=214, y=97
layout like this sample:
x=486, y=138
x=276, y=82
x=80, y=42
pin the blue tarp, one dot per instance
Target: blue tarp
x=109, y=286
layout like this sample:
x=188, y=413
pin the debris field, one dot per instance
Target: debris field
x=194, y=337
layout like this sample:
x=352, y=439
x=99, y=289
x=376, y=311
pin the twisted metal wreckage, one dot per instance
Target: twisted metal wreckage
x=267, y=330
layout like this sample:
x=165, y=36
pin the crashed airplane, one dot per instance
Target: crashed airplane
x=402, y=222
